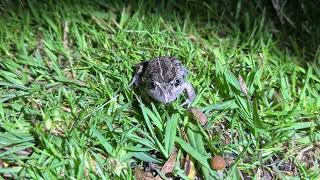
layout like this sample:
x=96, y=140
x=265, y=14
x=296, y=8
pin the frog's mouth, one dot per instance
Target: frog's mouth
x=164, y=94
x=164, y=98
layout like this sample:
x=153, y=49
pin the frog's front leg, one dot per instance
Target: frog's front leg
x=191, y=94
x=136, y=80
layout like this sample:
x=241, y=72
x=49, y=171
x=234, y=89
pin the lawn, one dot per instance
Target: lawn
x=67, y=111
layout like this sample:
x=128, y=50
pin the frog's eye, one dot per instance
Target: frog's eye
x=152, y=85
x=177, y=82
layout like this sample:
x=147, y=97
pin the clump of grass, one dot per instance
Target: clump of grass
x=67, y=111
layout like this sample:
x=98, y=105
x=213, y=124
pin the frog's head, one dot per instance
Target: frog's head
x=168, y=90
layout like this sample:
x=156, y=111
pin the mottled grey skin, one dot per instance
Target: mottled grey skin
x=163, y=79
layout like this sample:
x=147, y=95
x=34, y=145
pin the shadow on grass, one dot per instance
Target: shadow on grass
x=295, y=24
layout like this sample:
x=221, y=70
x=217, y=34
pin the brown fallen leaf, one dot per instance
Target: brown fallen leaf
x=65, y=34
x=197, y=115
x=189, y=168
x=243, y=86
x=169, y=164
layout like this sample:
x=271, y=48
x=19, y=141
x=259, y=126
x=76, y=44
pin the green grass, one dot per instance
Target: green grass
x=67, y=111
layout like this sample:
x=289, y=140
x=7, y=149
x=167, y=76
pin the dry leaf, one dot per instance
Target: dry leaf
x=189, y=168
x=243, y=86
x=65, y=34
x=261, y=57
x=169, y=165
x=198, y=115
x=66, y=109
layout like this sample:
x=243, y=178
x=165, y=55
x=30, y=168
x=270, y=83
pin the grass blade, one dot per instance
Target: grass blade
x=104, y=142
x=170, y=133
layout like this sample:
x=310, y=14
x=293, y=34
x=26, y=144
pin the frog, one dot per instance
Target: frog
x=163, y=79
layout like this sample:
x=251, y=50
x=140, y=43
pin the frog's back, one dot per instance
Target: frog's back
x=163, y=69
